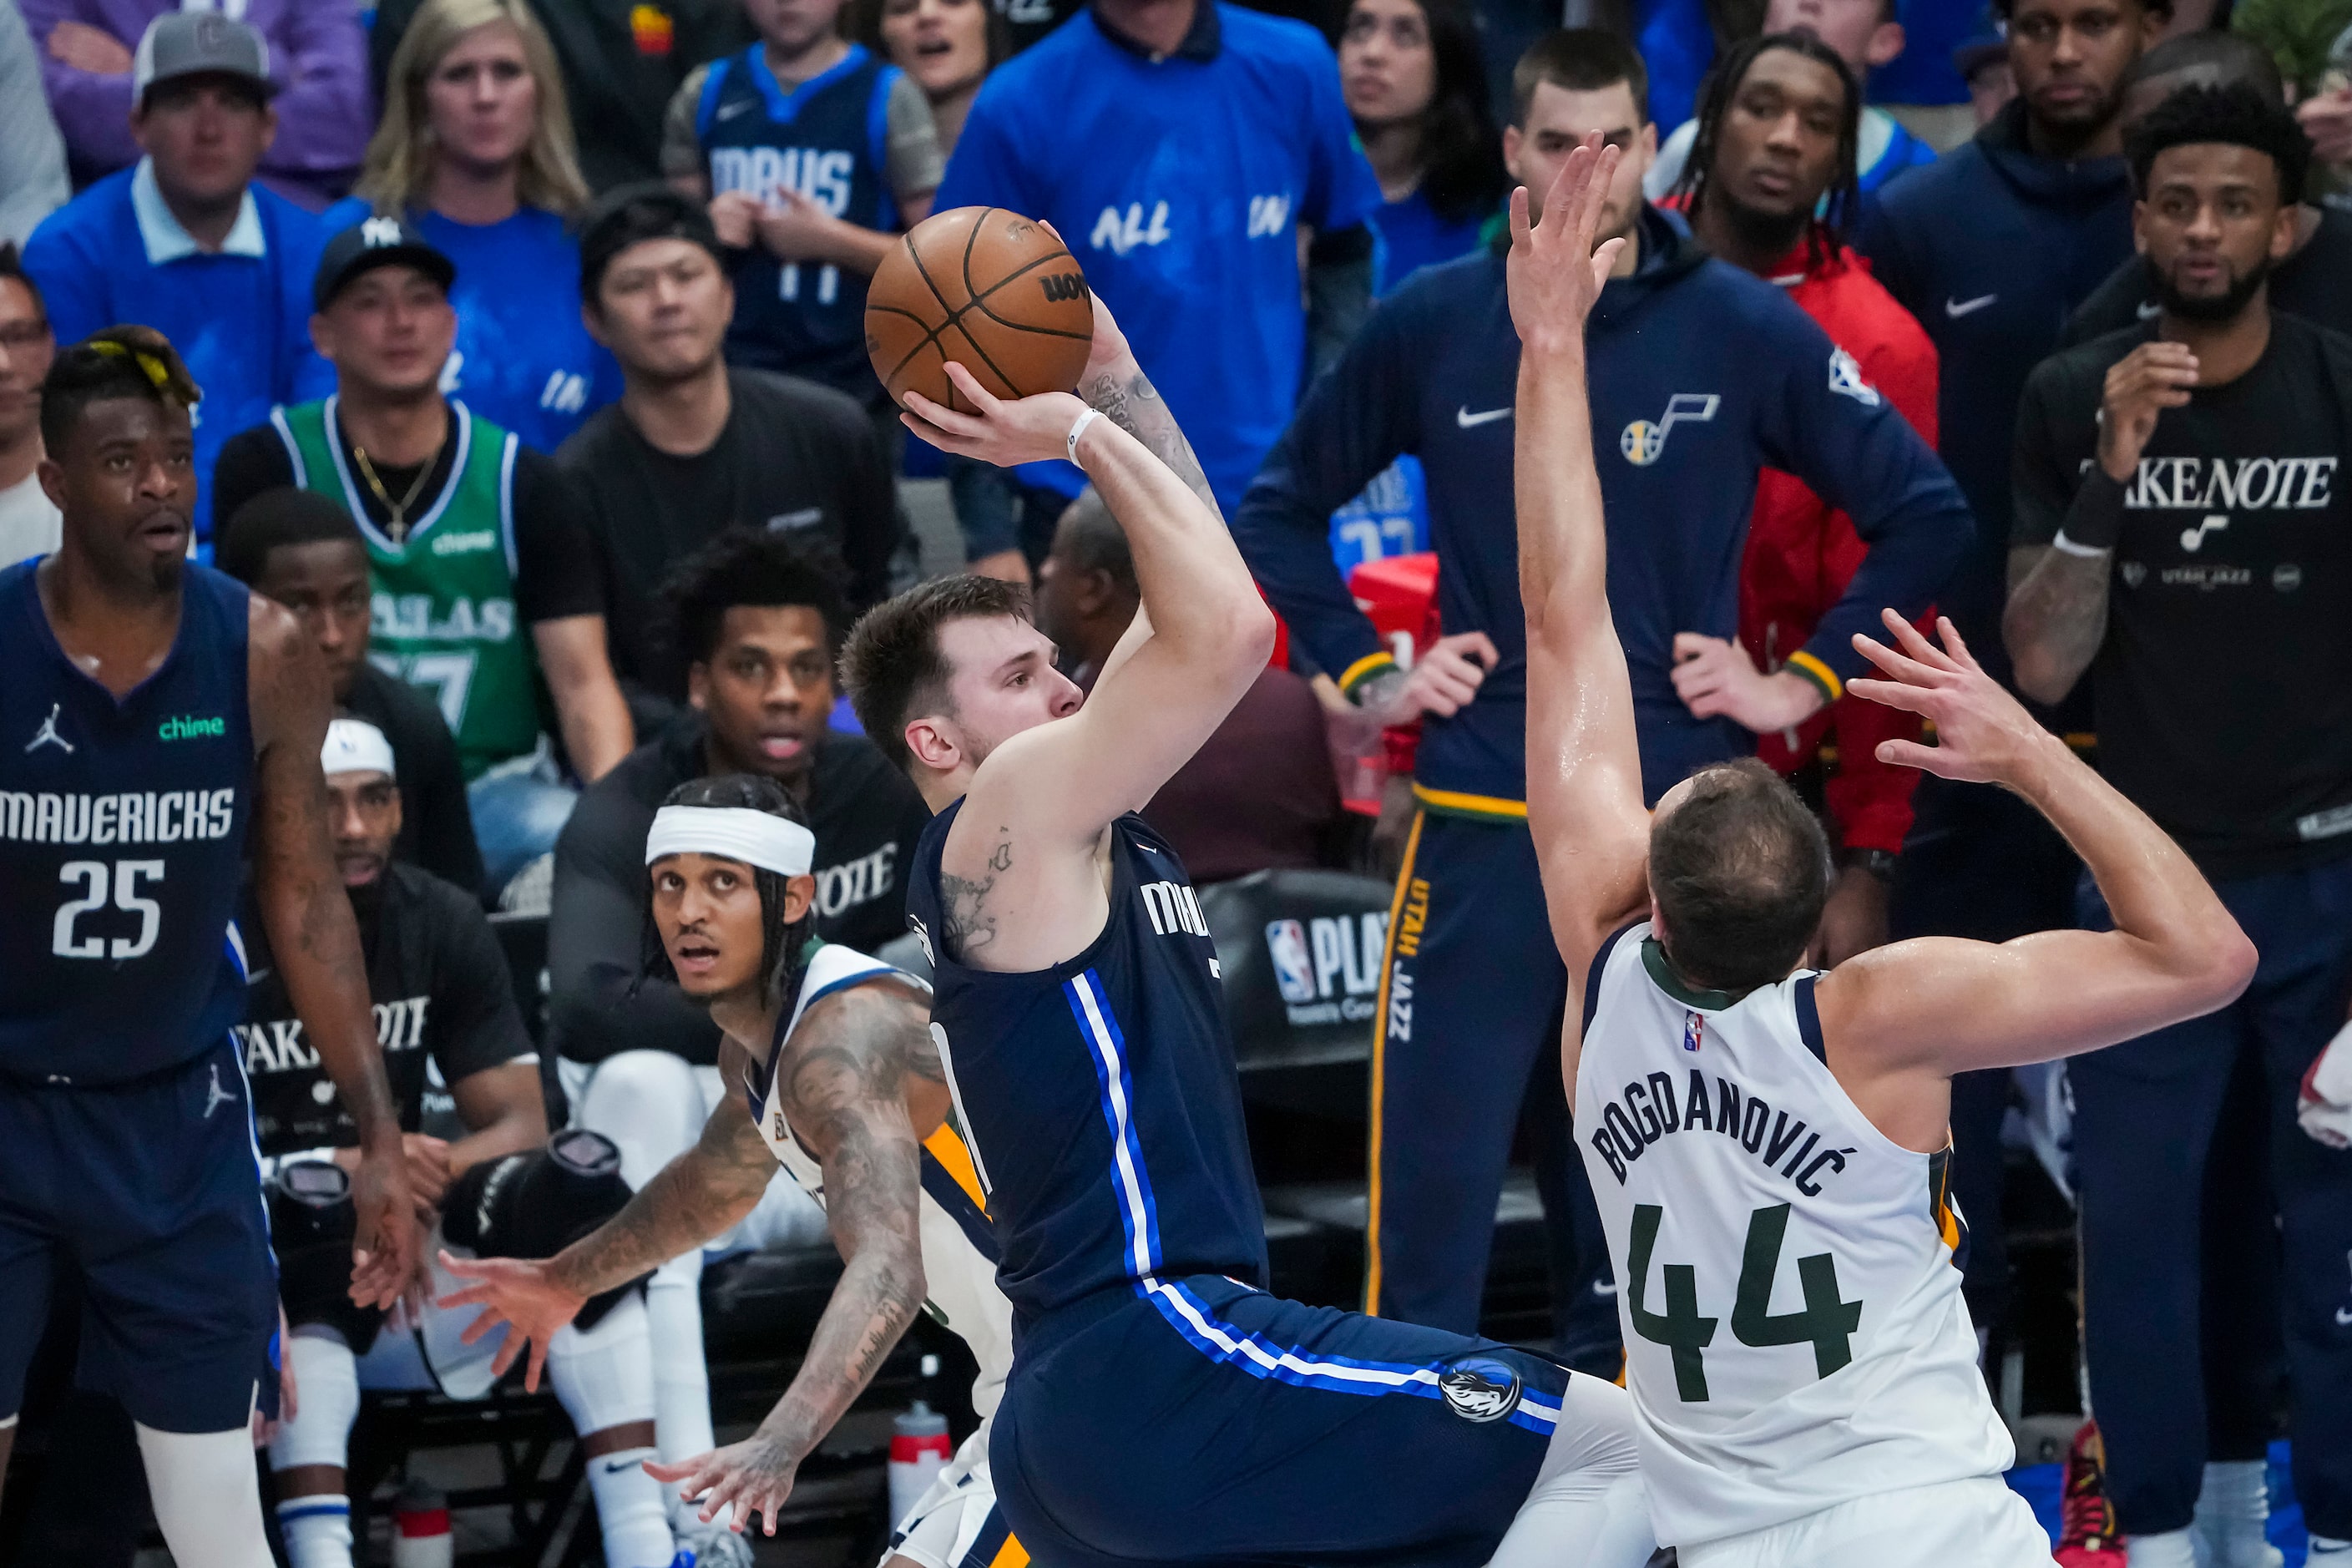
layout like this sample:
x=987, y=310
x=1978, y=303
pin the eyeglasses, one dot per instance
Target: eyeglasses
x=17, y=336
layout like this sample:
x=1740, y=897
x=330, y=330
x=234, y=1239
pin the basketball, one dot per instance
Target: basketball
x=989, y=289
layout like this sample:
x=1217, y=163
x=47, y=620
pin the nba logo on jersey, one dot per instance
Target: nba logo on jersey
x=1294, y=963
x=1694, y=1026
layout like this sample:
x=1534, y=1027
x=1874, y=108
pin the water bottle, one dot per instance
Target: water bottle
x=919, y=1447
x=420, y=1520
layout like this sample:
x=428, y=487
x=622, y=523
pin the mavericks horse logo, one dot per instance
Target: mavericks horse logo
x=1480, y=1388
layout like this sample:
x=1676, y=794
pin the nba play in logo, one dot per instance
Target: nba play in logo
x=1327, y=968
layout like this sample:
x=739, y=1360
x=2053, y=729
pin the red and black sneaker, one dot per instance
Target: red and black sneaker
x=2087, y=1536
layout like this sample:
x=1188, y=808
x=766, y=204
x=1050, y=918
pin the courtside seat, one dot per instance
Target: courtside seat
x=1518, y=1302
x=1301, y=954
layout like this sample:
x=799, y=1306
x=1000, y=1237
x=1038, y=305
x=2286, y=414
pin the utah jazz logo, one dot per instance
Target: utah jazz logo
x=1480, y=1388
x=1065, y=286
x=1642, y=442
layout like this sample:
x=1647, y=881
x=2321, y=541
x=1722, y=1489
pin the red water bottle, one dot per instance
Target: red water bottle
x=920, y=1448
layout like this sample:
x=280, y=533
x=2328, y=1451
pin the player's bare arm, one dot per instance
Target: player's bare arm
x=316, y=938
x=1899, y=1021
x=1024, y=866
x=1584, y=770
x=690, y=1200
x=2057, y=613
x=851, y=1069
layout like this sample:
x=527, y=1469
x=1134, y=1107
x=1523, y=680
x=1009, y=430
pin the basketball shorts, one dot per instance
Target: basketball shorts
x=1973, y=1523
x=956, y=1523
x=152, y=1190
x=1210, y=1422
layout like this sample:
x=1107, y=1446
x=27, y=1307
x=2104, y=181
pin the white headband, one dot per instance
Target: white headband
x=355, y=746
x=735, y=832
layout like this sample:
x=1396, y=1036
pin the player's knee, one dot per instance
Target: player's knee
x=649, y=1103
x=603, y=1374
x=1596, y=1432
x=327, y=1384
x=536, y=1204
x=311, y=1224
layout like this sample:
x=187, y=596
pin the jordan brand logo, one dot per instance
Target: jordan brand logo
x=216, y=1096
x=47, y=735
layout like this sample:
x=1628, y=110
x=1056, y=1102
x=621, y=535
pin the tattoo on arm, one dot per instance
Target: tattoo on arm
x=690, y=1200
x=843, y=1090
x=1134, y=404
x=971, y=925
x=2058, y=608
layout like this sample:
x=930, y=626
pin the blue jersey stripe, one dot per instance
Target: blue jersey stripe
x=1258, y=1356
x=1136, y=1211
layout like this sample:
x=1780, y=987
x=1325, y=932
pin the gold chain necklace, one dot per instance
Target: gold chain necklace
x=397, y=508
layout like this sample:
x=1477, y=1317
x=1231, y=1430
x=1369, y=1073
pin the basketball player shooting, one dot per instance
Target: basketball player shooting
x=153, y=709
x=1163, y=1406
x=1767, y=1146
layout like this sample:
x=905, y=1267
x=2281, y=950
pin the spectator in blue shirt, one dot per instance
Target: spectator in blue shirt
x=185, y=242
x=1410, y=72
x=1179, y=146
x=476, y=152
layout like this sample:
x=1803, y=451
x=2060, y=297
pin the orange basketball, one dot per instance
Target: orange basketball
x=988, y=289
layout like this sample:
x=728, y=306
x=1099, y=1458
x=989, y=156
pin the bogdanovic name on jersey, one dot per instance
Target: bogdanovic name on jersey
x=1648, y=1109
x=409, y=617
x=147, y=816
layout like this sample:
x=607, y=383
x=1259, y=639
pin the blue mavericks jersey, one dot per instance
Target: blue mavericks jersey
x=1099, y=1097
x=829, y=140
x=121, y=844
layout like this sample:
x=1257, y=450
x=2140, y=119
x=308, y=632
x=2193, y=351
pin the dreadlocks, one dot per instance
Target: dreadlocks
x=1843, y=200
x=782, y=943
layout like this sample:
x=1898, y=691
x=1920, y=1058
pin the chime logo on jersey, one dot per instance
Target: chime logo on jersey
x=1643, y=442
x=1694, y=1029
x=1480, y=1388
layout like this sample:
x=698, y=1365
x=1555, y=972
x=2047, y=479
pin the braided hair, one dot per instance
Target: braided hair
x=1844, y=198
x=783, y=943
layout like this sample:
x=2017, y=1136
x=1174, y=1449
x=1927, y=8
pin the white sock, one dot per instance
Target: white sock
x=207, y=1497
x=327, y=1389
x=2173, y=1549
x=2234, y=1509
x=629, y=1509
x=318, y=1530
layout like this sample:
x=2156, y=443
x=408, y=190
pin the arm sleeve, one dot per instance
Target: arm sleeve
x=1355, y=420
x=595, y=933
x=1831, y=428
x=915, y=159
x=33, y=182
x=250, y=462
x=325, y=112
x=556, y=571
x=445, y=837
x=681, y=143
x=93, y=111
x=474, y=1013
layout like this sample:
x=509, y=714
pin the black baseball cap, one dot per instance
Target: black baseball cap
x=372, y=243
x=631, y=214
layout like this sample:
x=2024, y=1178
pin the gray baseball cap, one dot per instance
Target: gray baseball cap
x=198, y=43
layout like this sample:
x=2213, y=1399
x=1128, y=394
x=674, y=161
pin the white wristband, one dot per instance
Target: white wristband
x=1071, y=442
x=2065, y=546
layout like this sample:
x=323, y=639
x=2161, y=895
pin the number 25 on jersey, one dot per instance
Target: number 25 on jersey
x=95, y=877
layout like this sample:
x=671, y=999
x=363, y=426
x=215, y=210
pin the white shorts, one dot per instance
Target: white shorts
x=955, y=1523
x=1973, y=1523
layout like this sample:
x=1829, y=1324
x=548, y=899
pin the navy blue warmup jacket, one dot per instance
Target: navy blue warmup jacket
x=1701, y=374
x=1992, y=246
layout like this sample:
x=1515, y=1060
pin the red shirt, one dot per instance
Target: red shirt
x=1801, y=552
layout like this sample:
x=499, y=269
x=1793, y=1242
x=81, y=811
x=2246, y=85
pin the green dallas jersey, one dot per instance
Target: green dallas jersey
x=443, y=612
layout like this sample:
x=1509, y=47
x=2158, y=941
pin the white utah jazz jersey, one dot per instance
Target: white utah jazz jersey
x=959, y=1248
x=1794, y=1331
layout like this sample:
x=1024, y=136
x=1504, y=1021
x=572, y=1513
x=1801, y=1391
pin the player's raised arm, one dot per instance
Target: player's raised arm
x=316, y=939
x=1584, y=772
x=1935, y=1006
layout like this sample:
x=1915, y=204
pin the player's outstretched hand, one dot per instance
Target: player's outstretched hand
x=1554, y=274
x=1005, y=430
x=756, y=1475
x=386, y=1243
x=523, y=1296
x=1983, y=735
